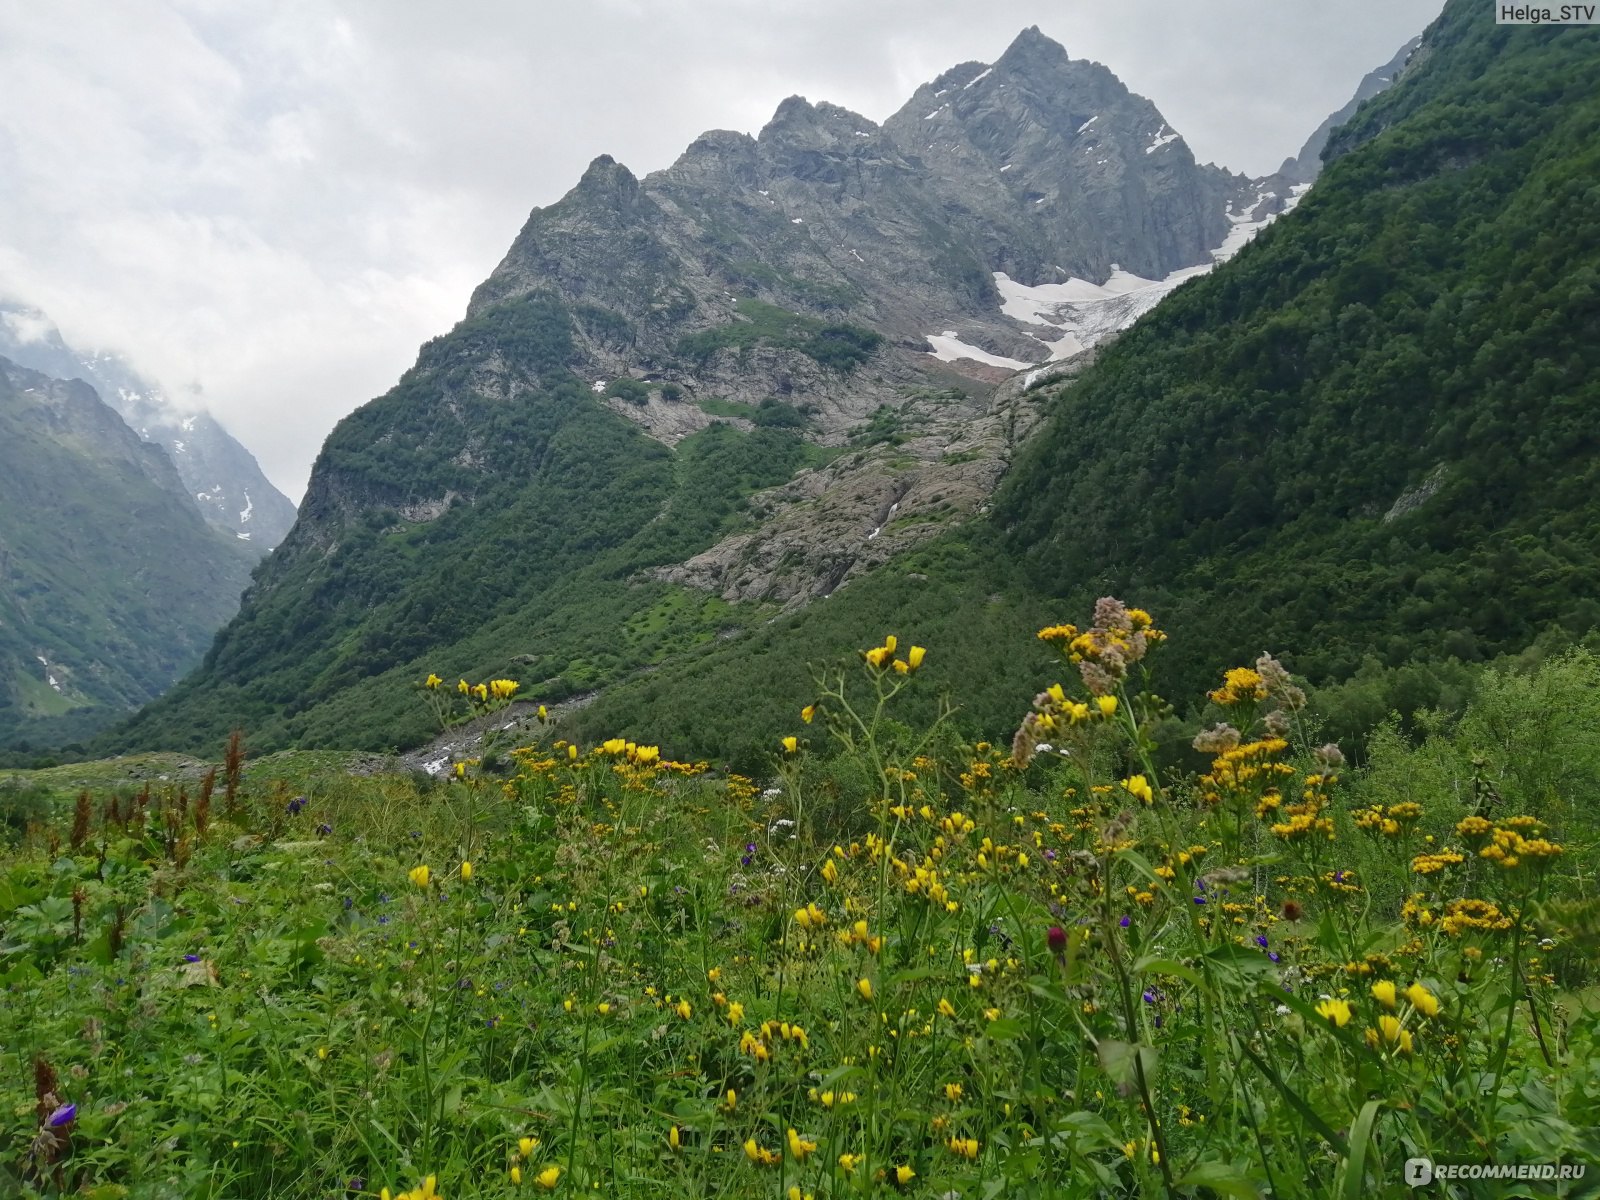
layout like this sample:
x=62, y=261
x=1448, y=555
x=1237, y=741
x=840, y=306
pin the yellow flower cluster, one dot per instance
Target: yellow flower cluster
x=925, y=881
x=859, y=935
x=1433, y=863
x=830, y=1099
x=1245, y=769
x=1139, y=786
x=1239, y=685
x=758, y=1044
x=1120, y=636
x=1305, y=817
x=1389, y=1035
x=1508, y=841
x=1463, y=916
x=760, y=1155
x=882, y=656
x=810, y=917
x=1395, y=821
x=642, y=756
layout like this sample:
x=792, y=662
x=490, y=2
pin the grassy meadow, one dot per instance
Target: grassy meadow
x=1090, y=961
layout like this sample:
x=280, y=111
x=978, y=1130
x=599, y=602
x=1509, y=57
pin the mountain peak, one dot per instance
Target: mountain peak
x=1033, y=46
x=606, y=175
x=798, y=121
x=794, y=112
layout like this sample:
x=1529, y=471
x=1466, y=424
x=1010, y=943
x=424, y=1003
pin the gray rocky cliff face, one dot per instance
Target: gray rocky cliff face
x=693, y=290
x=1054, y=169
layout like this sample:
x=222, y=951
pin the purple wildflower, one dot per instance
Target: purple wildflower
x=1261, y=940
x=191, y=958
x=62, y=1116
x=1125, y=922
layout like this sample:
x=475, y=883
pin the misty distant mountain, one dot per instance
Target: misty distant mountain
x=221, y=477
x=111, y=583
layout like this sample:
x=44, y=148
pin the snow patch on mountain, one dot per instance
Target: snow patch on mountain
x=948, y=347
x=1162, y=138
x=1083, y=313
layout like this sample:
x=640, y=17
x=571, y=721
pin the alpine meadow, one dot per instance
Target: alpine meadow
x=968, y=656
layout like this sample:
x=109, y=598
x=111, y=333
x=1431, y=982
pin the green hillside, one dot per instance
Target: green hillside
x=549, y=506
x=1374, y=432
x=111, y=584
x=1425, y=325
x=1368, y=441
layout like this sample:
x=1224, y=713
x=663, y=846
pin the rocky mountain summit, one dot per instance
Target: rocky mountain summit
x=687, y=403
x=1010, y=215
x=220, y=477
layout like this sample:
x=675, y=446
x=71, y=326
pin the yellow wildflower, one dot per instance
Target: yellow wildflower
x=1424, y=1001
x=420, y=875
x=1139, y=786
x=903, y=1175
x=1383, y=992
x=547, y=1178
x=791, y=744
x=685, y=1010
x=1336, y=1011
x=466, y=872
x=799, y=1147
x=674, y=1138
x=808, y=712
x=864, y=987
x=527, y=1145
x=915, y=656
x=432, y=682
x=759, y=1154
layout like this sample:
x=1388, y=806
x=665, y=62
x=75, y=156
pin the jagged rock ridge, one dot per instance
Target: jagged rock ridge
x=849, y=318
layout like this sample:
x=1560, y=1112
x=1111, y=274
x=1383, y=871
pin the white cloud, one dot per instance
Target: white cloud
x=274, y=202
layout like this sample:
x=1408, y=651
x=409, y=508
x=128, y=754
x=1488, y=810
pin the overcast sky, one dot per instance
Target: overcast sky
x=269, y=204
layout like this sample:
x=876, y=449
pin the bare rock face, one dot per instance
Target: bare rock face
x=896, y=294
x=1054, y=169
x=723, y=282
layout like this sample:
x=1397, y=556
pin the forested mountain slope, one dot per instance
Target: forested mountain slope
x=1368, y=442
